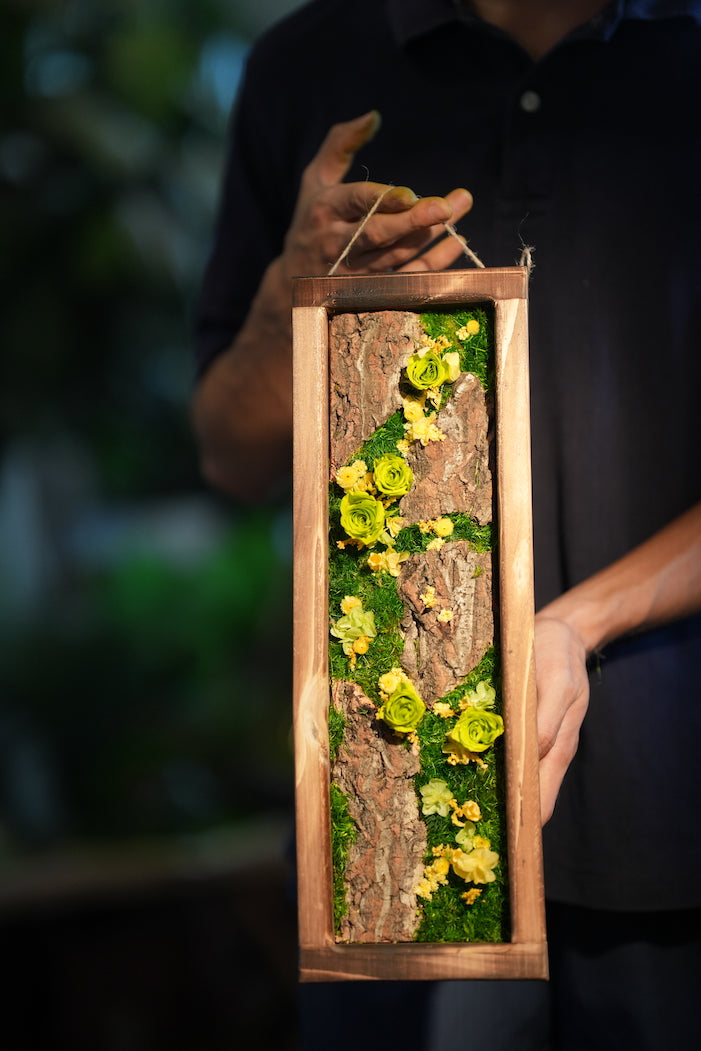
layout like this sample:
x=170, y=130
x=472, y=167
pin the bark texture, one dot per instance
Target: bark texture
x=438, y=655
x=375, y=770
x=454, y=475
x=368, y=352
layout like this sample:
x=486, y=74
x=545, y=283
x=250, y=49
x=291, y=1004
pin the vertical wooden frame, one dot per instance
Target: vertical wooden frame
x=315, y=301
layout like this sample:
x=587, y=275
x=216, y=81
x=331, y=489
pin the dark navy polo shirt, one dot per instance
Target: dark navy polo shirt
x=592, y=156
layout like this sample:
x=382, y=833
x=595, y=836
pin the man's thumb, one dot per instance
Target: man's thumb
x=342, y=142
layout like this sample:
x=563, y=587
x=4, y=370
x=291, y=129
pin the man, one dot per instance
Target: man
x=573, y=125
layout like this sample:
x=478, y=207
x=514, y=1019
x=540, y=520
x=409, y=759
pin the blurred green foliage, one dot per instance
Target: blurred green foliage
x=152, y=691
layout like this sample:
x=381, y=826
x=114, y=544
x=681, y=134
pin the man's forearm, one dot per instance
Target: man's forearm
x=242, y=409
x=657, y=582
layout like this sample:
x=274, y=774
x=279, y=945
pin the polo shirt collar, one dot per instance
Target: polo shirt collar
x=414, y=18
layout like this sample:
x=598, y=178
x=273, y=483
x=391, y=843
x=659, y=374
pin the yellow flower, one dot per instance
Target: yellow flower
x=361, y=644
x=403, y=446
x=471, y=810
x=480, y=842
x=394, y=560
x=424, y=430
x=350, y=602
x=452, y=360
x=429, y=597
x=414, y=408
x=470, y=329
x=440, y=868
x=477, y=866
x=433, y=395
x=387, y=561
x=435, y=545
x=457, y=753
x=435, y=875
x=443, y=527
x=389, y=682
x=394, y=524
x=423, y=889
x=443, y=709
x=445, y=616
x=470, y=896
x=349, y=477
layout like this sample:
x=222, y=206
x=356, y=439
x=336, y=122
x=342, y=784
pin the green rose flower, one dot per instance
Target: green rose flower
x=362, y=517
x=403, y=710
x=393, y=475
x=427, y=371
x=476, y=729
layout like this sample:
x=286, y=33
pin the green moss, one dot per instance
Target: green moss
x=337, y=726
x=446, y=917
x=411, y=538
x=343, y=833
x=476, y=352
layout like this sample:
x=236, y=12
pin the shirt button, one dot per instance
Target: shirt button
x=530, y=101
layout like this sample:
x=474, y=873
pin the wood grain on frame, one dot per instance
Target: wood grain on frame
x=316, y=299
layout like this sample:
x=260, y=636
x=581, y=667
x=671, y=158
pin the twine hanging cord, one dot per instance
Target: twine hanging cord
x=448, y=226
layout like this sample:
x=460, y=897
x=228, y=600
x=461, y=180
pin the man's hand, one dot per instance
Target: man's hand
x=563, y=697
x=328, y=211
x=242, y=409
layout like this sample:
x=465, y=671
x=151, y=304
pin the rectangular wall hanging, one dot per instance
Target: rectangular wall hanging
x=418, y=827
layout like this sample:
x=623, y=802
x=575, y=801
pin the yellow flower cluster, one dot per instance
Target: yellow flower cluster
x=473, y=864
x=429, y=597
x=470, y=329
x=355, y=478
x=442, y=368
x=442, y=527
x=423, y=431
x=430, y=601
x=456, y=753
x=435, y=875
x=443, y=709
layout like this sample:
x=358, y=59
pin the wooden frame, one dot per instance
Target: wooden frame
x=315, y=301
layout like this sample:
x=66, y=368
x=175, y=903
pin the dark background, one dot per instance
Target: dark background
x=145, y=754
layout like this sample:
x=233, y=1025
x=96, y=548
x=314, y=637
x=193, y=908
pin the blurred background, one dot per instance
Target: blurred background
x=145, y=754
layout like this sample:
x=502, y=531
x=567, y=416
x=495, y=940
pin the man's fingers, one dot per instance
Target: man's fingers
x=342, y=142
x=392, y=238
x=352, y=201
x=553, y=766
